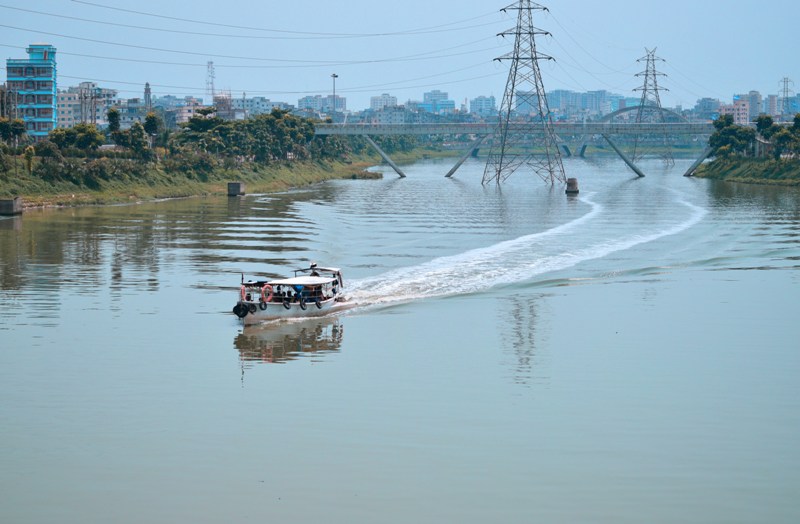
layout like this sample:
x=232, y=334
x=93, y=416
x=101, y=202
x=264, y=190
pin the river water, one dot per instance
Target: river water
x=512, y=355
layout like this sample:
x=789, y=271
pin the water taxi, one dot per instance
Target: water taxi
x=311, y=292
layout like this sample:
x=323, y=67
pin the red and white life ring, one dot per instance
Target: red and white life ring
x=243, y=293
x=264, y=290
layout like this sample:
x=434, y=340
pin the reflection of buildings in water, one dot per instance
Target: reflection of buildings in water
x=278, y=342
x=518, y=334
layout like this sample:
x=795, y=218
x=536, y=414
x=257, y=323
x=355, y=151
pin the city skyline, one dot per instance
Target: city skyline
x=284, y=55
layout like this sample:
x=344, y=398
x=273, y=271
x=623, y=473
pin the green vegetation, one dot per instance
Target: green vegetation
x=269, y=152
x=768, y=154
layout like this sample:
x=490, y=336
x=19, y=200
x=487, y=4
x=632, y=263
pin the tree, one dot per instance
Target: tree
x=138, y=139
x=63, y=137
x=152, y=124
x=30, y=152
x=796, y=125
x=729, y=139
x=113, y=120
x=47, y=149
x=17, y=129
x=766, y=126
x=88, y=137
x=5, y=129
x=723, y=121
x=783, y=141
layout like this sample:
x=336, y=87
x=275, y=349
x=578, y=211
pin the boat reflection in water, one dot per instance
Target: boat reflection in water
x=285, y=340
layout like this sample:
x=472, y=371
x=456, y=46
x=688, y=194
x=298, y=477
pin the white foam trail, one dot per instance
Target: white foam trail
x=508, y=262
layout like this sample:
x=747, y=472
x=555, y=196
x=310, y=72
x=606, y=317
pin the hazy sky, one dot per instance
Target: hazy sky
x=287, y=50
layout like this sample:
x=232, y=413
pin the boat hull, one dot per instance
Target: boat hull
x=279, y=310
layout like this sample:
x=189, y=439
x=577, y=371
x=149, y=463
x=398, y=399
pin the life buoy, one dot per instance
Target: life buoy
x=318, y=303
x=243, y=293
x=264, y=296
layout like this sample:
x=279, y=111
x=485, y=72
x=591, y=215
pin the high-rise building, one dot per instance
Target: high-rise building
x=32, y=83
x=377, y=103
x=483, y=106
x=754, y=102
x=436, y=102
x=740, y=110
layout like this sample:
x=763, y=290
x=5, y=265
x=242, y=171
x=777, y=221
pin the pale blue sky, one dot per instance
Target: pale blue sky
x=286, y=50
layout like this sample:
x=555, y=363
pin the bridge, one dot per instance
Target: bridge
x=560, y=128
x=606, y=129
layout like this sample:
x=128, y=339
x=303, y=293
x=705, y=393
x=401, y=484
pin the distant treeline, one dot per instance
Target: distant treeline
x=84, y=156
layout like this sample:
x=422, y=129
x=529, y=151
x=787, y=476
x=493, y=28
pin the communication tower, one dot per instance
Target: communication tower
x=786, y=93
x=524, y=136
x=210, y=80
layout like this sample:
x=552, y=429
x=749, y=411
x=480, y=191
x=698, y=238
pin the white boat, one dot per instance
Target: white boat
x=311, y=292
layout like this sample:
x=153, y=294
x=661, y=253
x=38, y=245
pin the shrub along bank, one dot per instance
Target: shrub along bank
x=268, y=153
x=768, y=154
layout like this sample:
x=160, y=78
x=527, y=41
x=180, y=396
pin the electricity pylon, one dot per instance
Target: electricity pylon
x=524, y=136
x=650, y=104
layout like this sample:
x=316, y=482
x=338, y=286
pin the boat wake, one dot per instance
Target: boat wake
x=512, y=261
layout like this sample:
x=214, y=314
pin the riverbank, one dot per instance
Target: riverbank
x=154, y=182
x=752, y=171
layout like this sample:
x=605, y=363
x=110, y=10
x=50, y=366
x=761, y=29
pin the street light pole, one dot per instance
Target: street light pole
x=333, y=102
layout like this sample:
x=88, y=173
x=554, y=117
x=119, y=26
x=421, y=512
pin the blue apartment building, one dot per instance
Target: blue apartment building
x=32, y=83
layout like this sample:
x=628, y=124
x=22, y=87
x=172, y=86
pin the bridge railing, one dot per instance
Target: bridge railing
x=560, y=128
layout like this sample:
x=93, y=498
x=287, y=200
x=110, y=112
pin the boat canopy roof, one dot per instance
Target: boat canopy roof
x=302, y=281
x=317, y=268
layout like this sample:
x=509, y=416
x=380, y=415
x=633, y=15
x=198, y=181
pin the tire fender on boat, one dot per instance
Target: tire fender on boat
x=303, y=305
x=240, y=310
x=318, y=303
x=262, y=306
x=252, y=308
x=286, y=303
x=264, y=296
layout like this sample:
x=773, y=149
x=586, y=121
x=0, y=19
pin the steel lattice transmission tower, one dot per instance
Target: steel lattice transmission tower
x=524, y=136
x=650, y=104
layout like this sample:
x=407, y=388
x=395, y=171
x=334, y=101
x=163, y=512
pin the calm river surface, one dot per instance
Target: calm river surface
x=631, y=355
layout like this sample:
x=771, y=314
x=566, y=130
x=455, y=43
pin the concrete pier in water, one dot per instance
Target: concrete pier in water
x=11, y=206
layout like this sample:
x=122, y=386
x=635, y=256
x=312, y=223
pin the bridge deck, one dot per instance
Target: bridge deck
x=562, y=129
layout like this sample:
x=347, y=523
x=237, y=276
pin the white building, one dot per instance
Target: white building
x=376, y=103
x=257, y=105
x=483, y=106
x=86, y=103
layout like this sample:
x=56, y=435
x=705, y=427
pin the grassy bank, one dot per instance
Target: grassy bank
x=752, y=171
x=156, y=183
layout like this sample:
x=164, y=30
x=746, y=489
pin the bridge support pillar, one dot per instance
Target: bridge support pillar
x=624, y=158
x=582, y=150
x=472, y=148
x=691, y=170
x=565, y=149
x=385, y=157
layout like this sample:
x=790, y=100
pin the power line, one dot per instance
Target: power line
x=305, y=63
x=239, y=35
x=284, y=31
